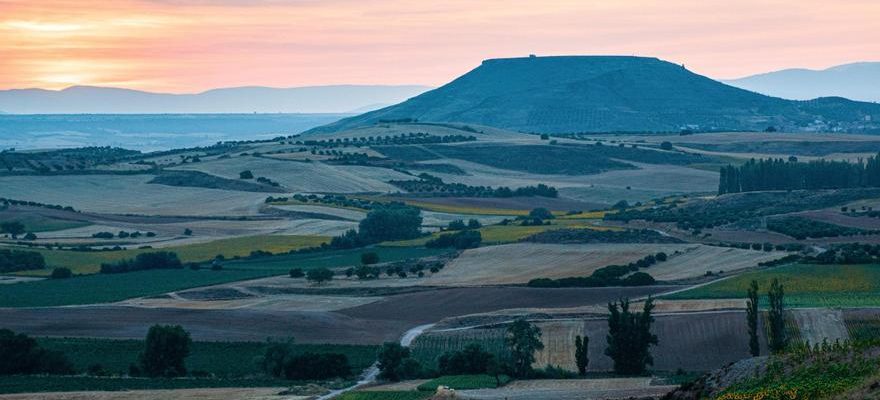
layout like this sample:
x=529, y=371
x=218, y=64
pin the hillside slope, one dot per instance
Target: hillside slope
x=611, y=93
x=857, y=81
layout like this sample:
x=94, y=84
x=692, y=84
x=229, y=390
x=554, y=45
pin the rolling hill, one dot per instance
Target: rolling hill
x=102, y=100
x=611, y=93
x=857, y=81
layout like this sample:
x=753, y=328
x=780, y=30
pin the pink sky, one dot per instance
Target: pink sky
x=193, y=45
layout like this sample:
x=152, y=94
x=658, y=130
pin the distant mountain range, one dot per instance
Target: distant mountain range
x=857, y=81
x=100, y=100
x=609, y=94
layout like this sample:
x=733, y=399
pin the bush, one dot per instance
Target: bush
x=246, y=174
x=319, y=275
x=369, y=258
x=144, y=261
x=460, y=240
x=281, y=361
x=541, y=213
x=297, y=273
x=18, y=260
x=61, y=273
x=472, y=360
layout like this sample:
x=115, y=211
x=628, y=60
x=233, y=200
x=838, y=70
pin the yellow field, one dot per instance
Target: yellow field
x=467, y=210
x=81, y=262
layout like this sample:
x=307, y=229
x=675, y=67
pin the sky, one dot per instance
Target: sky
x=185, y=46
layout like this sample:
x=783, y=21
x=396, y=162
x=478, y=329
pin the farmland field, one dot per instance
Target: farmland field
x=59, y=387
x=87, y=262
x=128, y=194
x=805, y=285
x=463, y=382
x=382, y=395
x=102, y=288
x=521, y=262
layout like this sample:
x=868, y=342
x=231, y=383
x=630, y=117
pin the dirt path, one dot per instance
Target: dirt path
x=818, y=324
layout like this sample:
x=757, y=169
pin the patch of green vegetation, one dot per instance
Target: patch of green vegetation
x=38, y=383
x=39, y=223
x=465, y=382
x=801, y=228
x=385, y=395
x=428, y=348
x=221, y=359
x=806, y=285
x=102, y=288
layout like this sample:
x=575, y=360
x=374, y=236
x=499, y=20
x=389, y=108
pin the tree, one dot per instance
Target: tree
x=20, y=354
x=246, y=174
x=166, y=349
x=541, y=213
x=280, y=360
x=187, y=232
x=392, y=222
x=319, y=275
x=30, y=236
x=752, y=319
x=61, y=273
x=470, y=361
x=630, y=338
x=666, y=146
x=297, y=273
x=581, y=353
x=523, y=339
x=13, y=228
x=391, y=359
x=474, y=224
x=776, y=317
x=369, y=258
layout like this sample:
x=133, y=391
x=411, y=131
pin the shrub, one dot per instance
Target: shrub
x=61, y=273
x=319, y=275
x=369, y=258
x=246, y=174
x=297, y=273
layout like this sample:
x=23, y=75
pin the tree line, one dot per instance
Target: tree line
x=779, y=174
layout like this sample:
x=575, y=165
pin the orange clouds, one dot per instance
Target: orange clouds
x=191, y=45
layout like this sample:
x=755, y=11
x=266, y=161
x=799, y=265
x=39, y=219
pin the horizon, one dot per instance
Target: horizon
x=190, y=46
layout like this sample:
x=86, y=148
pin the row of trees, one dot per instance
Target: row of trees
x=778, y=337
x=430, y=184
x=778, y=174
x=144, y=261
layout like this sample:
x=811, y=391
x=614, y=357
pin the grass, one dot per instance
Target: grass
x=464, y=382
x=385, y=395
x=103, y=288
x=222, y=359
x=38, y=223
x=89, y=262
x=806, y=285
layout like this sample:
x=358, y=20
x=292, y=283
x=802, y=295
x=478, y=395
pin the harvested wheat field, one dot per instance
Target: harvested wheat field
x=696, y=260
x=519, y=263
x=820, y=324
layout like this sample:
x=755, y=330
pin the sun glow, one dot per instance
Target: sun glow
x=192, y=45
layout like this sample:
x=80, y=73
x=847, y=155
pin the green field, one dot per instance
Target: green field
x=88, y=262
x=38, y=223
x=464, y=382
x=222, y=359
x=385, y=395
x=806, y=285
x=103, y=288
x=36, y=383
